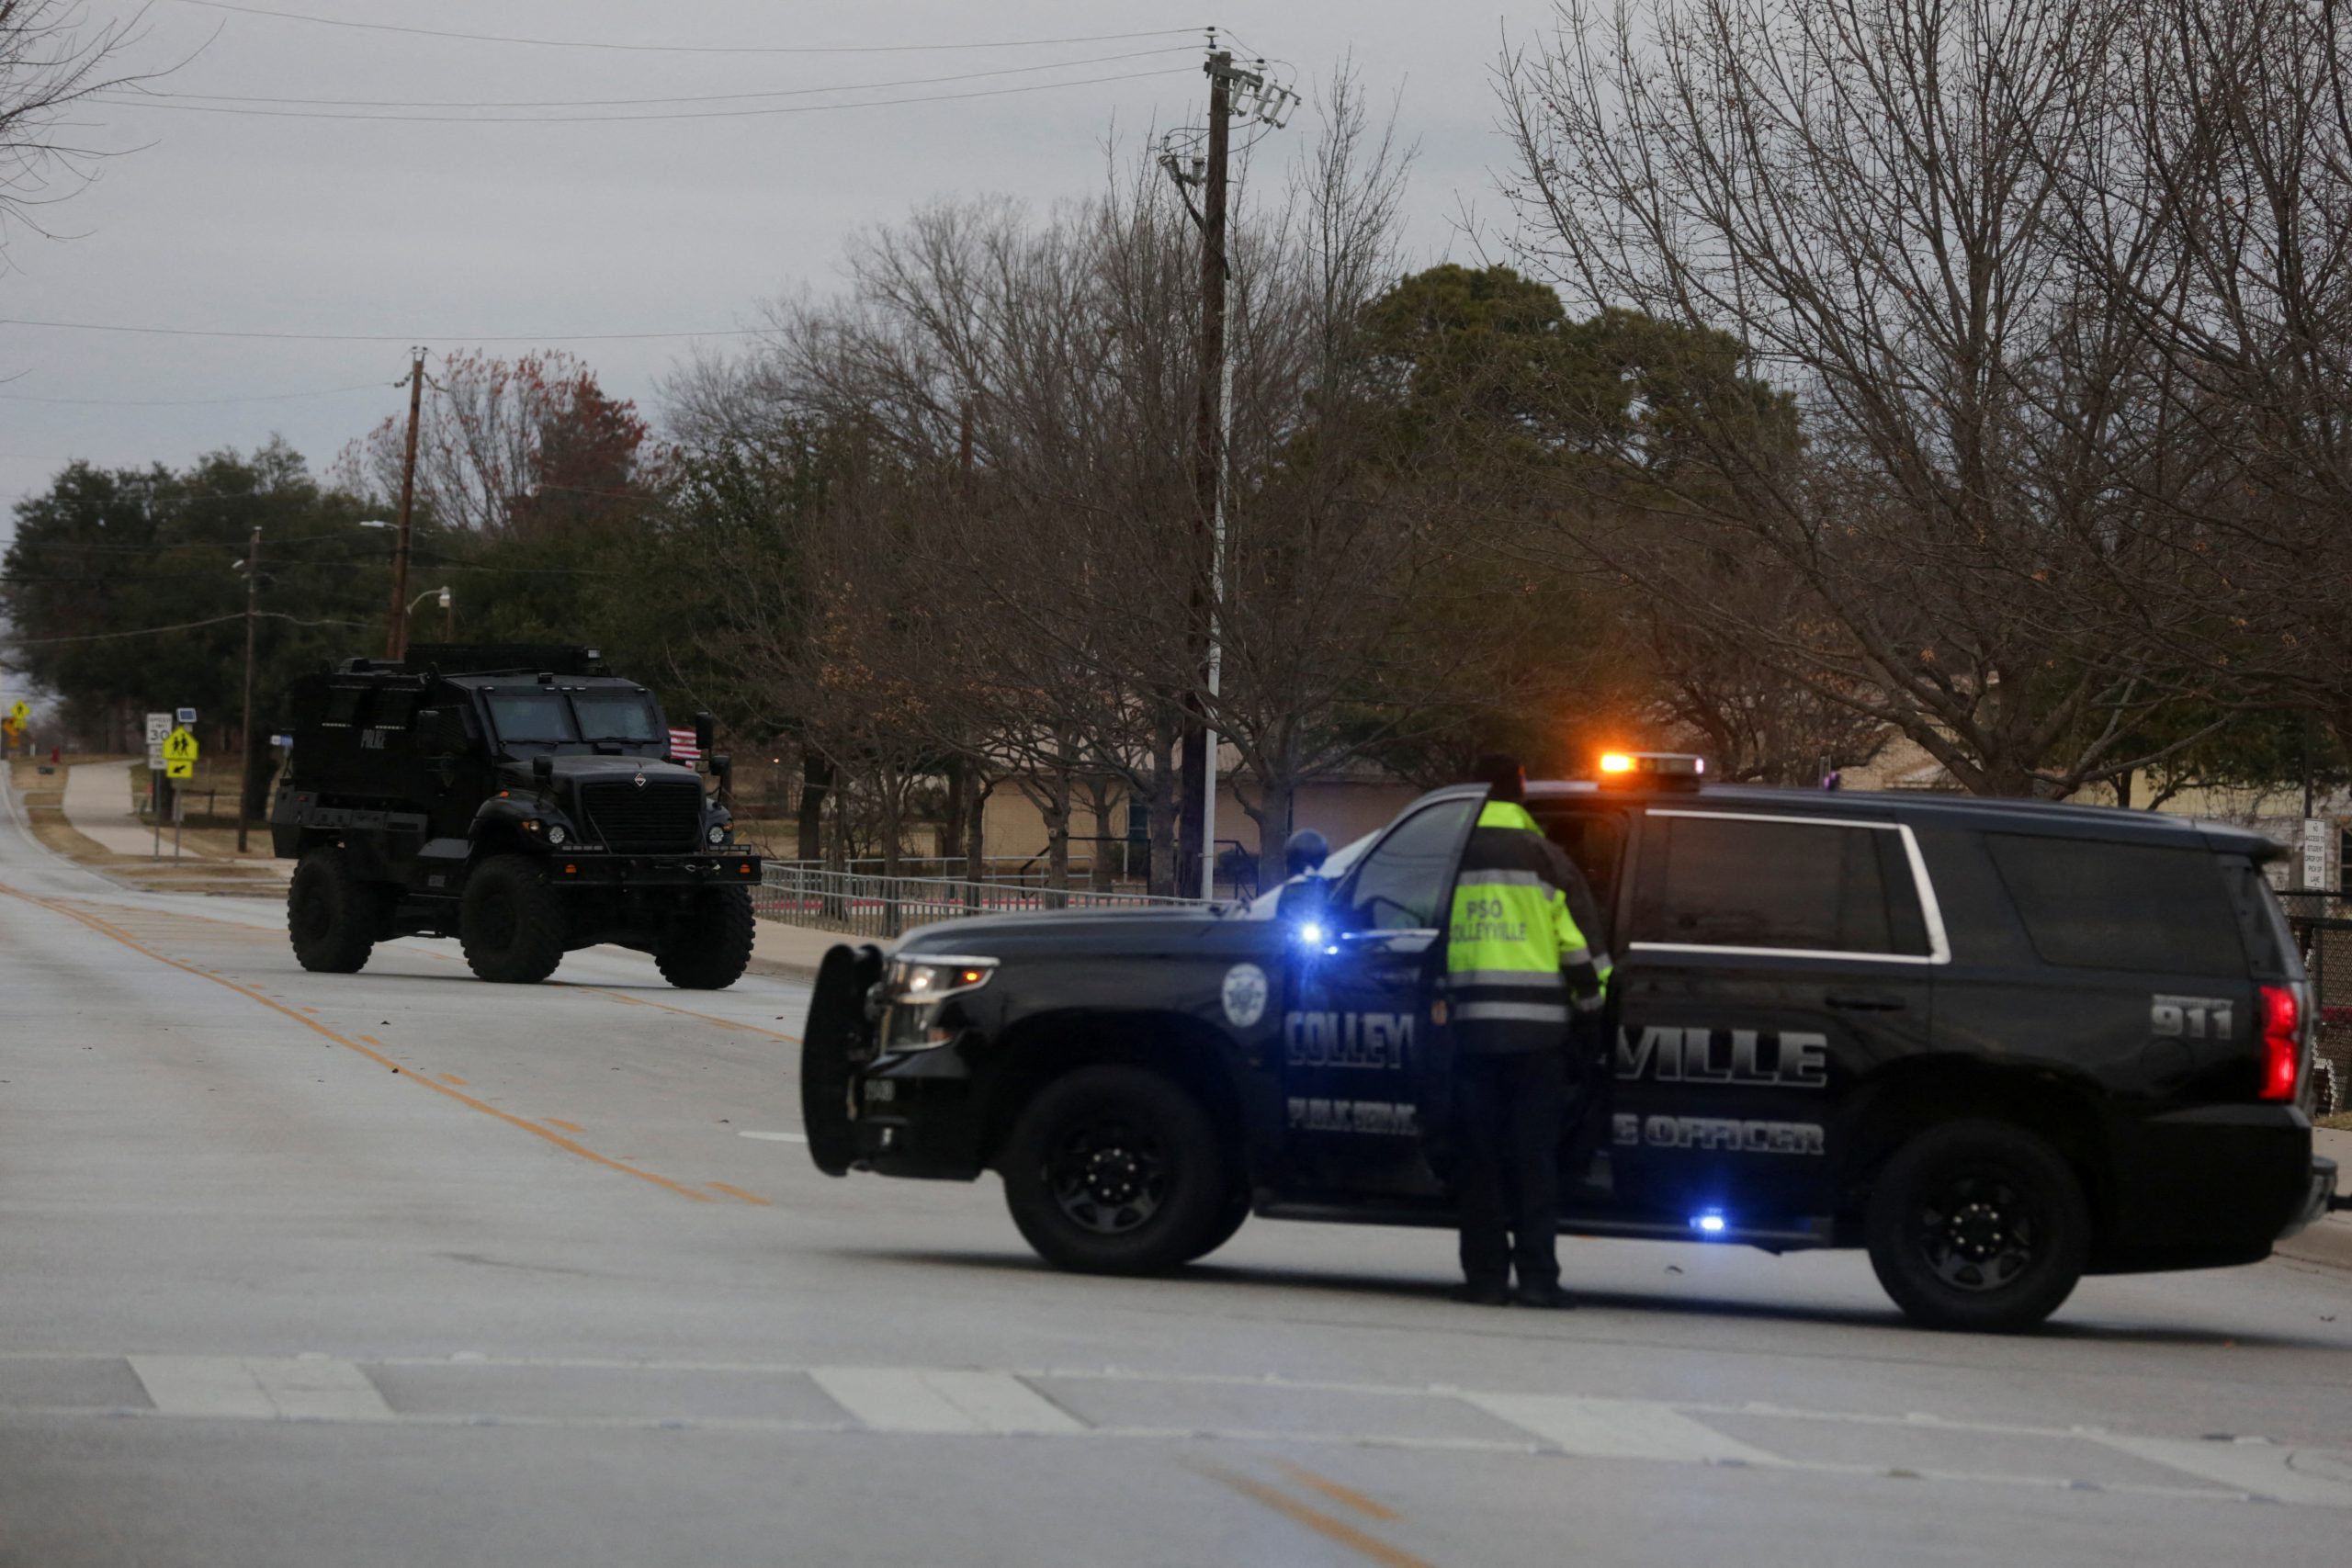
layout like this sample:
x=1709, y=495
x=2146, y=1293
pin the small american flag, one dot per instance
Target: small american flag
x=682, y=748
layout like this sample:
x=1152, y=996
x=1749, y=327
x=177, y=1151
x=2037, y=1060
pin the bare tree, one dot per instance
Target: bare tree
x=1866, y=196
x=52, y=58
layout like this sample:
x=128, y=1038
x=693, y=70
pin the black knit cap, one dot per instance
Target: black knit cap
x=1503, y=776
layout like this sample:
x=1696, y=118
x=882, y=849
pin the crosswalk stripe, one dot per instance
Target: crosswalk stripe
x=290, y=1388
x=1618, y=1428
x=2265, y=1470
x=912, y=1399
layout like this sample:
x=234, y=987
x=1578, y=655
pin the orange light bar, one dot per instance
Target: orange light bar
x=1616, y=762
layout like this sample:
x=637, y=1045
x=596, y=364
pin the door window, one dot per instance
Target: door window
x=1776, y=883
x=1408, y=875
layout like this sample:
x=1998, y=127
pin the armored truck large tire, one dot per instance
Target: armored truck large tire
x=331, y=917
x=511, y=923
x=1116, y=1171
x=709, y=942
x=1978, y=1225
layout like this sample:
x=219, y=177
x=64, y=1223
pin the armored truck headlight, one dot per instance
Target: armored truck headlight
x=925, y=980
x=558, y=833
x=716, y=833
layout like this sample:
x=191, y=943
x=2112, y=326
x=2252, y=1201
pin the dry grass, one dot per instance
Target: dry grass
x=2339, y=1123
x=43, y=798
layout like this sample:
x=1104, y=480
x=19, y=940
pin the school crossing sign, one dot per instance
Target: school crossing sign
x=179, y=754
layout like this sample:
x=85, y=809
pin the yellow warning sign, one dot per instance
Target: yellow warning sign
x=179, y=768
x=179, y=748
x=19, y=711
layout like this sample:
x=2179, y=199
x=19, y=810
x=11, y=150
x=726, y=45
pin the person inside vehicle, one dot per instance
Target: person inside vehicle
x=1520, y=970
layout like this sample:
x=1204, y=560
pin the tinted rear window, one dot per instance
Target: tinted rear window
x=2088, y=905
x=1734, y=882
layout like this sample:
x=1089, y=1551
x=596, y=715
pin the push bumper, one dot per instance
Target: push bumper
x=2320, y=1196
x=915, y=1115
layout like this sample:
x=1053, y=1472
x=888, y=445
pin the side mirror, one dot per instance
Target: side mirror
x=705, y=733
x=1305, y=853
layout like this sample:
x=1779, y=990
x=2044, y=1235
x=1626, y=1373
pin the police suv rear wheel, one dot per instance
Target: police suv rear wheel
x=708, y=943
x=1978, y=1225
x=331, y=917
x=510, y=922
x=1116, y=1171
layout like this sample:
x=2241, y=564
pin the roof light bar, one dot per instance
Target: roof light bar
x=1670, y=768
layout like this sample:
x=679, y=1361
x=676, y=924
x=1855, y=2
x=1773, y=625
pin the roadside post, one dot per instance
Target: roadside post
x=180, y=763
x=159, y=726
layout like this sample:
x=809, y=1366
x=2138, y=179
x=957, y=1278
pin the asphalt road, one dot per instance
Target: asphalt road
x=400, y=1268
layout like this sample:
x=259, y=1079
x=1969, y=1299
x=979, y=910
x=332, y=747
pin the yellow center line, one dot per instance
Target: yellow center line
x=1369, y=1547
x=1339, y=1494
x=739, y=1193
x=445, y=1077
x=567, y=1126
x=558, y=1139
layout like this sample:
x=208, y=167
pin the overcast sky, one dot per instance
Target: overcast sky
x=451, y=234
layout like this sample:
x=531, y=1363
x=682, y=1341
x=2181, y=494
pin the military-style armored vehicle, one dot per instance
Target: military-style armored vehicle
x=523, y=800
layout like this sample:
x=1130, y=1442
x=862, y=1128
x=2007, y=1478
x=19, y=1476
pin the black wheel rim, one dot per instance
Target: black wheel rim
x=1110, y=1177
x=1979, y=1231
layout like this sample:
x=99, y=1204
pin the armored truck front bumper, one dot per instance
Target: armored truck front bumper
x=607, y=871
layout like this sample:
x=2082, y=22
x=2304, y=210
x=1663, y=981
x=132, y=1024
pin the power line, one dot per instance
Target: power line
x=192, y=402
x=169, y=97
x=679, y=48
x=378, y=337
x=13, y=641
x=611, y=119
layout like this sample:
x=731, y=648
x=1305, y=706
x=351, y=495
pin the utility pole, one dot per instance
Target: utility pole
x=245, y=736
x=396, y=632
x=1212, y=433
x=1196, y=763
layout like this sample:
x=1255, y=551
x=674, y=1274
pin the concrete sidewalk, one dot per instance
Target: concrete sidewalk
x=794, y=953
x=99, y=806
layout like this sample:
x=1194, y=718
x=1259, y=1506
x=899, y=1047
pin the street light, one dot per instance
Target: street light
x=448, y=611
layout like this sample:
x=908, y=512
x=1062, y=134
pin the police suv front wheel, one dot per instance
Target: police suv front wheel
x=1116, y=1171
x=1978, y=1225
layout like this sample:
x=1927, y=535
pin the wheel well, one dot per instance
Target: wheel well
x=2062, y=1113
x=496, y=837
x=1038, y=1052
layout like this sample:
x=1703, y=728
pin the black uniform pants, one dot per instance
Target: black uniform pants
x=1507, y=1109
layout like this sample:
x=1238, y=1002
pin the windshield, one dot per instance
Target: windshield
x=617, y=715
x=530, y=715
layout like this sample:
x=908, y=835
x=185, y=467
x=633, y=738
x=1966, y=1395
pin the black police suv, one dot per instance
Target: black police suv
x=521, y=799
x=2000, y=1044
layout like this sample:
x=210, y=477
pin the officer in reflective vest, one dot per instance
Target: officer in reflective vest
x=1522, y=960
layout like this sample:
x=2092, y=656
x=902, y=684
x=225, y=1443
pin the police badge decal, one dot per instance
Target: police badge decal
x=1245, y=995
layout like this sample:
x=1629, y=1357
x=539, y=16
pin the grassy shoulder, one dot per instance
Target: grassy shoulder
x=2339, y=1123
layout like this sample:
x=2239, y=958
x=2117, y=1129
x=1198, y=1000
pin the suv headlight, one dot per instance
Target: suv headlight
x=919, y=981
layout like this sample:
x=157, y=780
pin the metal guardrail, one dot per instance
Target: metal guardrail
x=859, y=905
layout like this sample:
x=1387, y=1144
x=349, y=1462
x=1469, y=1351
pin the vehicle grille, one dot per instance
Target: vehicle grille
x=660, y=817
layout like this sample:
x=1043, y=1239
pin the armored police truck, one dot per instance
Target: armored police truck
x=523, y=800
x=1999, y=1044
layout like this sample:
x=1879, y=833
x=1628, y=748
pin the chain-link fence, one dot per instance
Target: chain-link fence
x=860, y=905
x=2323, y=927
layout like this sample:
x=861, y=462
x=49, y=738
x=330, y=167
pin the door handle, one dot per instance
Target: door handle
x=1866, y=1001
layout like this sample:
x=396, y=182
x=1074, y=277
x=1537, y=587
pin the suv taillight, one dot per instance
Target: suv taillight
x=2282, y=1042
